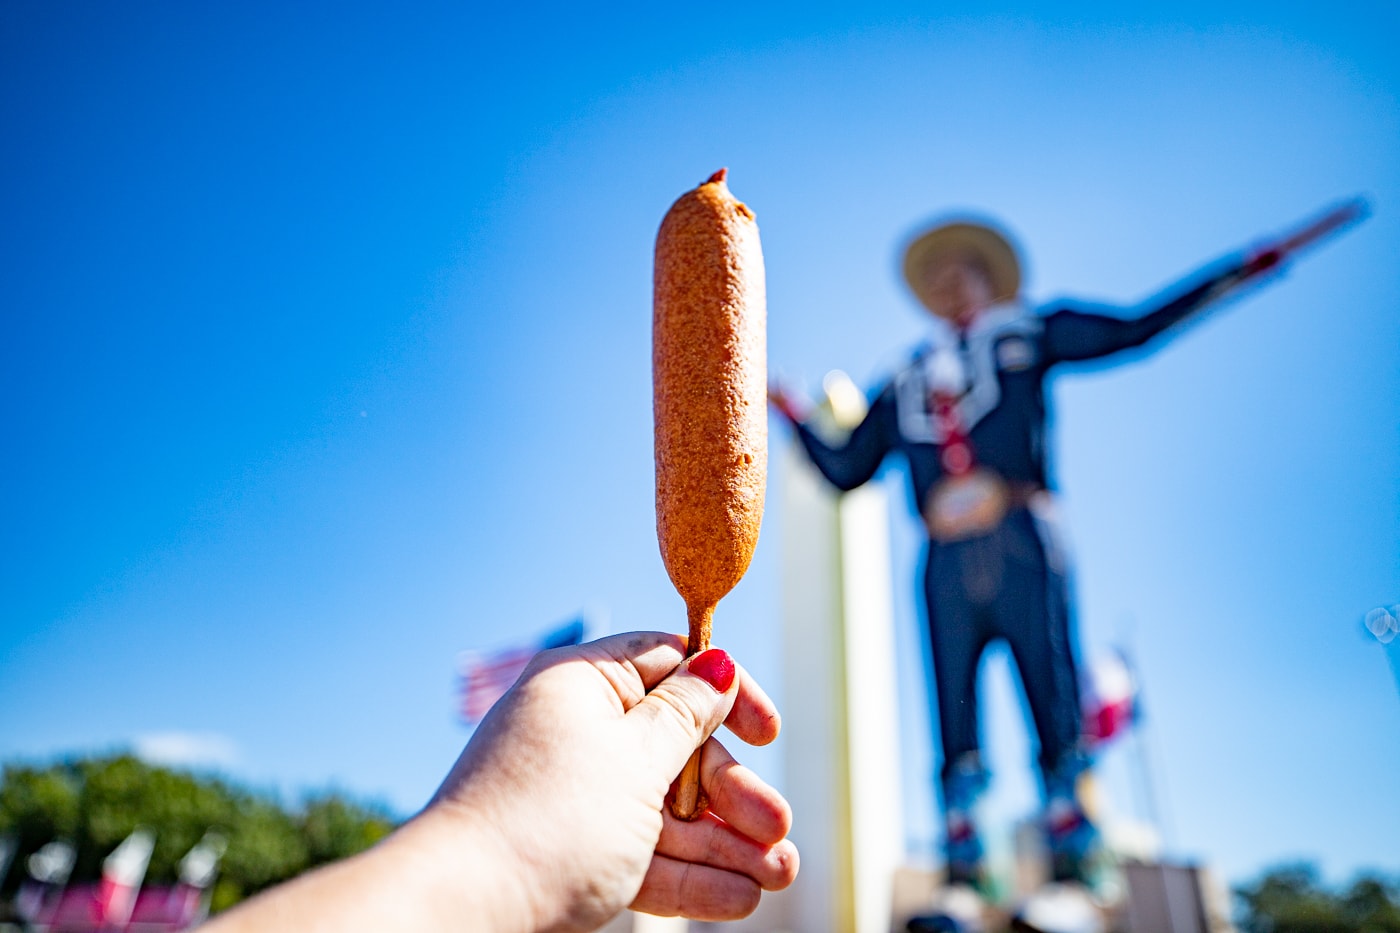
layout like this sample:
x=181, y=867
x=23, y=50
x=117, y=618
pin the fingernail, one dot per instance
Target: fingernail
x=715, y=667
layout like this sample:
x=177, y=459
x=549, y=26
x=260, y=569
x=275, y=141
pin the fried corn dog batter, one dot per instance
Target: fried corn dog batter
x=709, y=356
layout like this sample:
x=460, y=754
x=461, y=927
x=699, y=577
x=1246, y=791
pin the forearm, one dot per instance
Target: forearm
x=1074, y=334
x=853, y=459
x=845, y=467
x=438, y=872
x=1188, y=300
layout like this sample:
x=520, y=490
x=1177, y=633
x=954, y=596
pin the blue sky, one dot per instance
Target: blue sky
x=328, y=356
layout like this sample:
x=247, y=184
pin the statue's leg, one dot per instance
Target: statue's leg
x=1034, y=616
x=957, y=639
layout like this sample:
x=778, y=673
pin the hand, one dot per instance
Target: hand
x=554, y=817
x=572, y=770
x=781, y=400
x=1262, y=261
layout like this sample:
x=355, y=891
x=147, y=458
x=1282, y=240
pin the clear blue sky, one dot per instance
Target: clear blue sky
x=327, y=343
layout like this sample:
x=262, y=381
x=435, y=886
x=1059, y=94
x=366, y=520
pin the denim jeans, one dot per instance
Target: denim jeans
x=1008, y=584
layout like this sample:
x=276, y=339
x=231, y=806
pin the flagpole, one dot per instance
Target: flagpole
x=1155, y=811
x=1158, y=812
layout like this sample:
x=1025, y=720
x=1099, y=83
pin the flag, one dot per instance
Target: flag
x=1109, y=698
x=122, y=874
x=201, y=863
x=186, y=904
x=49, y=869
x=483, y=677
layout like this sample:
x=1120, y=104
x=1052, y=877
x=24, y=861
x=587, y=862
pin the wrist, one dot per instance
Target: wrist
x=464, y=872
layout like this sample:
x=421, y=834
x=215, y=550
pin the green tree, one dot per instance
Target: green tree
x=1290, y=899
x=334, y=827
x=38, y=805
x=96, y=803
x=1373, y=904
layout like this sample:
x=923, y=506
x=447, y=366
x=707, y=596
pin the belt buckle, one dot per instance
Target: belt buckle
x=966, y=505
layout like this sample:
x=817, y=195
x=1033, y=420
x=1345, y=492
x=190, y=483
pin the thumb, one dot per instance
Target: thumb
x=681, y=712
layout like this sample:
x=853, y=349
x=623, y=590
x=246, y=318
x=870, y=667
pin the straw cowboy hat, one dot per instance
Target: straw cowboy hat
x=989, y=245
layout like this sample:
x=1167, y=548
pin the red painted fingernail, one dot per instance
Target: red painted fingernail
x=715, y=667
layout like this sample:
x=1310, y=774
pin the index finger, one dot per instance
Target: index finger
x=635, y=662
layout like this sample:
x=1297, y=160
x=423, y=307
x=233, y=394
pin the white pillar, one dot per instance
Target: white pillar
x=840, y=713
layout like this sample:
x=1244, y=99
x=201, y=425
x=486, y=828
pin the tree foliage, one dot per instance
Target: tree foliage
x=1290, y=899
x=96, y=802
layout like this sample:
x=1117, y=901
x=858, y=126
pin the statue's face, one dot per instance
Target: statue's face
x=956, y=287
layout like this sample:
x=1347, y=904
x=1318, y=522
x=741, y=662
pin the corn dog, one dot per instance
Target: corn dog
x=709, y=370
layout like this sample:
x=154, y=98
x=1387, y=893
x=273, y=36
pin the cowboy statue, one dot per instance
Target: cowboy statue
x=968, y=413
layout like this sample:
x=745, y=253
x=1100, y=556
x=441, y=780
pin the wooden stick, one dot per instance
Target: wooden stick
x=690, y=800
